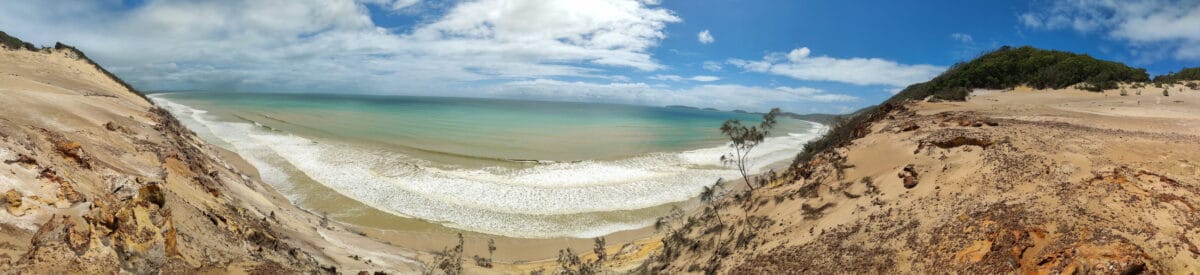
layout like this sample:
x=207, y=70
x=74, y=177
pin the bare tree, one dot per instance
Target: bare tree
x=744, y=138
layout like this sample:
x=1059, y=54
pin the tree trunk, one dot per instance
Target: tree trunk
x=742, y=167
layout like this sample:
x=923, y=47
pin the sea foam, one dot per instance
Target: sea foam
x=578, y=199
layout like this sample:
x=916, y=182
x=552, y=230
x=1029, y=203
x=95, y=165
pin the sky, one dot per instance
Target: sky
x=802, y=56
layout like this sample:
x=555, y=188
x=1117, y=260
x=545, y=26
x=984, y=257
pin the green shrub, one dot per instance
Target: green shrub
x=1009, y=67
x=1187, y=74
x=14, y=43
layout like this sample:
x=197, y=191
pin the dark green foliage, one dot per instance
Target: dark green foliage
x=841, y=132
x=9, y=41
x=1183, y=75
x=14, y=43
x=1009, y=67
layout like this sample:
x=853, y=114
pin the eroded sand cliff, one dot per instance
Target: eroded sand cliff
x=95, y=179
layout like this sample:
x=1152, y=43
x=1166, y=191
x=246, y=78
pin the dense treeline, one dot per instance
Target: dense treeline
x=1188, y=74
x=1006, y=67
x=1009, y=67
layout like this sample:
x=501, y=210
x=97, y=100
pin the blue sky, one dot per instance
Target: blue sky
x=803, y=56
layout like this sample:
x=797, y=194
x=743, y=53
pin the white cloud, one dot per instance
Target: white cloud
x=333, y=45
x=394, y=5
x=712, y=66
x=800, y=65
x=718, y=96
x=1151, y=24
x=667, y=77
x=962, y=38
x=797, y=55
x=671, y=77
x=705, y=37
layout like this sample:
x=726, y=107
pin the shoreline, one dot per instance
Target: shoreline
x=100, y=178
x=513, y=252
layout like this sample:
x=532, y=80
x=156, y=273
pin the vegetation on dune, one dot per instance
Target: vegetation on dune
x=744, y=138
x=1187, y=74
x=1009, y=67
x=15, y=43
x=1004, y=68
x=79, y=54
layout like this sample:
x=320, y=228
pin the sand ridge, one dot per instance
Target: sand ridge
x=1028, y=181
x=98, y=180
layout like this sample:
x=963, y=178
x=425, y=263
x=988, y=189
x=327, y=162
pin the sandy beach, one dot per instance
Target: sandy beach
x=53, y=97
x=379, y=137
x=1039, y=181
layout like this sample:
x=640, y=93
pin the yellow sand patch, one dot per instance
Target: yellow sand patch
x=975, y=252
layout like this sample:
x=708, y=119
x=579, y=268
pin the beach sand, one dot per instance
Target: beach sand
x=216, y=215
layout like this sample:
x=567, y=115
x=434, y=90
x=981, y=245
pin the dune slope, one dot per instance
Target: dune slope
x=1029, y=181
x=96, y=179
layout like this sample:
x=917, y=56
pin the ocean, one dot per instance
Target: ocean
x=527, y=169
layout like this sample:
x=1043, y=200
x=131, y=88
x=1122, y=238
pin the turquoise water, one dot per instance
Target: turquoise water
x=508, y=167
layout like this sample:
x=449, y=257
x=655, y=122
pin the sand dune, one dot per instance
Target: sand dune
x=1045, y=181
x=98, y=180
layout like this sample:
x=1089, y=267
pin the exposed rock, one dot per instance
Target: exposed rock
x=962, y=141
x=23, y=159
x=66, y=190
x=909, y=174
x=78, y=235
x=153, y=194
x=13, y=201
x=74, y=151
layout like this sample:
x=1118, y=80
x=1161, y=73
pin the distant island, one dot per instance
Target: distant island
x=814, y=117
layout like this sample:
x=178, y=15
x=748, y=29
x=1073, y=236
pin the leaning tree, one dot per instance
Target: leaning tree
x=744, y=138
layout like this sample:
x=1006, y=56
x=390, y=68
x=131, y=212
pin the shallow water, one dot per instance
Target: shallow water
x=528, y=169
